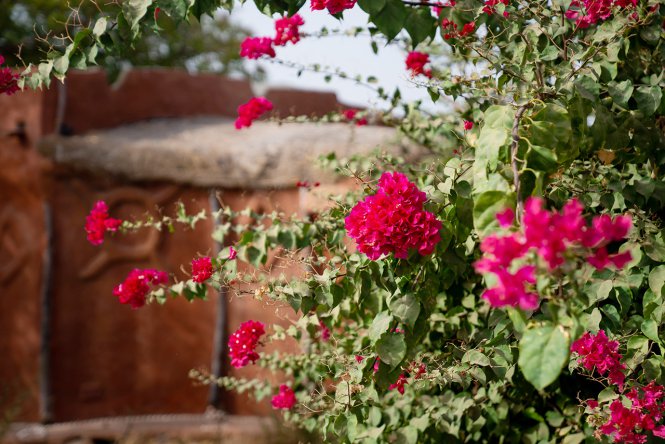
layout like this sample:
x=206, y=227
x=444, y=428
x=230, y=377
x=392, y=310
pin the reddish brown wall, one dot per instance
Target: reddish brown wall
x=22, y=243
x=107, y=359
x=91, y=103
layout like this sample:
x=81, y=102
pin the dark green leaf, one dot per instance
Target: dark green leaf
x=621, y=92
x=391, y=349
x=405, y=308
x=380, y=325
x=543, y=352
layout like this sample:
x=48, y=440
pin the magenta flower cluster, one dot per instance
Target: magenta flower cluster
x=243, y=343
x=98, y=222
x=632, y=424
x=202, y=269
x=333, y=6
x=285, y=399
x=287, y=29
x=393, y=220
x=598, y=353
x=252, y=110
x=137, y=285
x=589, y=12
x=8, y=80
x=415, y=64
x=553, y=236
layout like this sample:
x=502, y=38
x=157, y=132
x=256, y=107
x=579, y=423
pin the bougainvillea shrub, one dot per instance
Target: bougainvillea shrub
x=508, y=286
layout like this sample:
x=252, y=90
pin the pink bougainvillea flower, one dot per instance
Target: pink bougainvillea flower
x=285, y=399
x=98, y=222
x=598, y=353
x=440, y=5
x=511, y=289
x=551, y=235
x=317, y=5
x=589, y=12
x=393, y=220
x=506, y=217
x=490, y=6
x=415, y=63
x=468, y=125
x=8, y=80
x=252, y=110
x=201, y=269
x=333, y=6
x=350, y=115
x=243, y=343
x=325, y=331
x=287, y=29
x=255, y=47
x=137, y=285
x=468, y=28
x=632, y=423
x=399, y=384
x=232, y=253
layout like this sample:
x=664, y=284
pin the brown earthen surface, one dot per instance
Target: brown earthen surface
x=22, y=245
x=91, y=103
x=107, y=358
x=162, y=429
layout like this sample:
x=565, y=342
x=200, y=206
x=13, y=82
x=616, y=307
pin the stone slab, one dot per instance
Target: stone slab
x=163, y=429
x=209, y=151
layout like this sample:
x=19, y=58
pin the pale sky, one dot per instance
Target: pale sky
x=352, y=54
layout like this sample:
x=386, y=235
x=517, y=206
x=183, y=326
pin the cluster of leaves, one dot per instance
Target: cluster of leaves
x=70, y=36
x=561, y=112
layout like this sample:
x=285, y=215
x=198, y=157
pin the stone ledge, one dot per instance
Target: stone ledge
x=209, y=151
x=163, y=429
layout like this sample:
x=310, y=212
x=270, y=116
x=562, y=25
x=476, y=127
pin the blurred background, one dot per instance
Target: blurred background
x=153, y=129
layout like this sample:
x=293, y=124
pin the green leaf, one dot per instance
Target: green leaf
x=648, y=99
x=372, y=7
x=518, y=319
x=407, y=435
x=592, y=322
x=405, y=308
x=549, y=53
x=177, y=9
x=485, y=207
x=60, y=66
x=599, y=291
x=550, y=127
x=653, y=368
x=390, y=19
x=476, y=358
x=391, y=349
x=587, y=87
x=100, y=27
x=650, y=330
x=45, y=71
x=380, y=325
x=657, y=280
x=202, y=7
x=133, y=11
x=542, y=159
x=420, y=24
x=494, y=134
x=621, y=92
x=543, y=352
